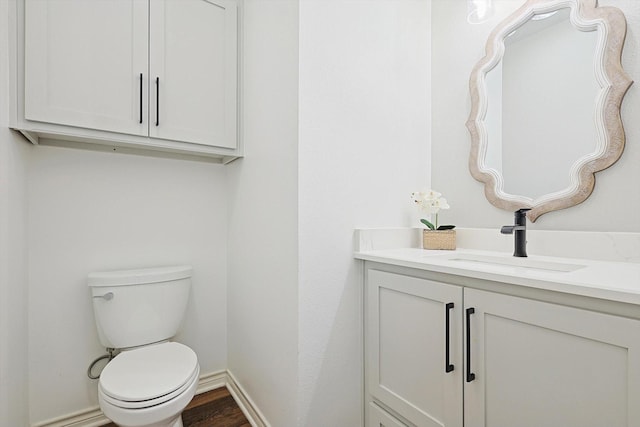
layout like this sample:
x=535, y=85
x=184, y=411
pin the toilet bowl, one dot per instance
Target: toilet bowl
x=149, y=386
x=153, y=379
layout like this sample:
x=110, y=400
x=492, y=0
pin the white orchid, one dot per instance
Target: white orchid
x=431, y=195
x=430, y=202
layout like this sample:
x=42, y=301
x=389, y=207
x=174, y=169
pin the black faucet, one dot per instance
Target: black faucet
x=519, y=230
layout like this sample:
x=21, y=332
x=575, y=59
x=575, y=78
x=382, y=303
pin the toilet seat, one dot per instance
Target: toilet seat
x=126, y=404
x=149, y=376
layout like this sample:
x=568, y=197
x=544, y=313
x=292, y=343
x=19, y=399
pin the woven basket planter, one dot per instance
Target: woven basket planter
x=439, y=239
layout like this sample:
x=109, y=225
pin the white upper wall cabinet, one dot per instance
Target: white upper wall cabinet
x=83, y=61
x=193, y=73
x=154, y=74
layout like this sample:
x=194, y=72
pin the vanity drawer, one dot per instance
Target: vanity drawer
x=378, y=417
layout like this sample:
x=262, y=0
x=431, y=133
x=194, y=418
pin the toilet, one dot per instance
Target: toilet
x=152, y=379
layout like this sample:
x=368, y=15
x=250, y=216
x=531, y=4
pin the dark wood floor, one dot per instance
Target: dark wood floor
x=215, y=408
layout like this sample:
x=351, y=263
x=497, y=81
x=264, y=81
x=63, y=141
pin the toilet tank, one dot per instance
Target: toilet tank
x=139, y=307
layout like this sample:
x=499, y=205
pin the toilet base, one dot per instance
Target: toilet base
x=173, y=422
x=177, y=423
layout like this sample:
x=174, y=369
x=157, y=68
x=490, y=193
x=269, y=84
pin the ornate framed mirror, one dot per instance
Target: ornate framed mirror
x=545, y=104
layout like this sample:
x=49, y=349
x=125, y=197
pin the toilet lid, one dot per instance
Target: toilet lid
x=148, y=372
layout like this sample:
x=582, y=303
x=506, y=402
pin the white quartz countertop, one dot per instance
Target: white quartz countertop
x=615, y=281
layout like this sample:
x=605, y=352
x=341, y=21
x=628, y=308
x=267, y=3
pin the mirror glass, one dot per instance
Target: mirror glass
x=546, y=99
x=541, y=101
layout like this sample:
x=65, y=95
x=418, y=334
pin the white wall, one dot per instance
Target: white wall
x=13, y=278
x=263, y=258
x=364, y=147
x=13, y=269
x=457, y=46
x=294, y=289
x=13, y=255
x=95, y=211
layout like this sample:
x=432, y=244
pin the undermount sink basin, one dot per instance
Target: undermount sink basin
x=517, y=262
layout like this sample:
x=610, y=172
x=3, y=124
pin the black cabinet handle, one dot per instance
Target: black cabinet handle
x=448, y=367
x=470, y=375
x=140, y=97
x=157, y=101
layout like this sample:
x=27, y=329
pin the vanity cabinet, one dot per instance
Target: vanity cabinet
x=152, y=73
x=493, y=360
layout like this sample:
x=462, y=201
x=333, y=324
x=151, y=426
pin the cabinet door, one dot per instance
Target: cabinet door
x=539, y=364
x=193, y=63
x=406, y=348
x=83, y=61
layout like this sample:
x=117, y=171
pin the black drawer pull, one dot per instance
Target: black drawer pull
x=448, y=366
x=470, y=375
x=140, y=97
x=157, y=101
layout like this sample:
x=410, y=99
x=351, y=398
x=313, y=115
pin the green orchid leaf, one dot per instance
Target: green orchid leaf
x=446, y=227
x=428, y=224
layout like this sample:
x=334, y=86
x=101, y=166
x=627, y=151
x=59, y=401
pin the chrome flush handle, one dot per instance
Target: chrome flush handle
x=107, y=297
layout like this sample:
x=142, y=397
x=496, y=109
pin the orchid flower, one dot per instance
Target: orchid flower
x=430, y=202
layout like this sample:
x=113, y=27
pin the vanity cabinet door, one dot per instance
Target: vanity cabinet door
x=83, y=62
x=539, y=364
x=193, y=66
x=406, y=348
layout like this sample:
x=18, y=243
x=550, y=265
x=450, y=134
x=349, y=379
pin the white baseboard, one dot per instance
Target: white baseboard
x=211, y=381
x=93, y=417
x=88, y=418
x=250, y=410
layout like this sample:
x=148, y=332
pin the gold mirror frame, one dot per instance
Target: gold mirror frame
x=585, y=16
